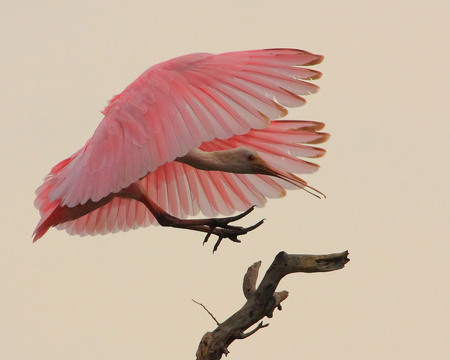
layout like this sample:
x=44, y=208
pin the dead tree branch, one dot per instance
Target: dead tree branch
x=263, y=300
x=209, y=312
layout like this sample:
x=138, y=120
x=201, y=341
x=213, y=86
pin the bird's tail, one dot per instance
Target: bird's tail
x=50, y=210
x=47, y=220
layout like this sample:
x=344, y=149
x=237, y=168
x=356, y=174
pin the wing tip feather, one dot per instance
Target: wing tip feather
x=323, y=136
x=317, y=59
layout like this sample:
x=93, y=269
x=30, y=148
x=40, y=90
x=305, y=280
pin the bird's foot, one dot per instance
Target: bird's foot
x=222, y=228
x=218, y=226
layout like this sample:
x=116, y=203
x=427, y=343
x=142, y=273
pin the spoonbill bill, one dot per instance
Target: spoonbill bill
x=195, y=133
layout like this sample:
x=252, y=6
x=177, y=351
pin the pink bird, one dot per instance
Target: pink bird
x=195, y=133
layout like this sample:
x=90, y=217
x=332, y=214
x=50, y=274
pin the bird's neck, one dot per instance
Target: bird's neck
x=211, y=160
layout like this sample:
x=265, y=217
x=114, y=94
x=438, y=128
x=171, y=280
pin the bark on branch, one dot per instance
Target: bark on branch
x=263, y=300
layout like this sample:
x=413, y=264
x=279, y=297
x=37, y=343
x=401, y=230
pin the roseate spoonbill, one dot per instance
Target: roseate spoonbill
x=195, y=133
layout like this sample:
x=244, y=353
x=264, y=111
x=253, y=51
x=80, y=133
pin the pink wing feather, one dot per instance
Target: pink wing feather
x=182, y=190
x=176, y=106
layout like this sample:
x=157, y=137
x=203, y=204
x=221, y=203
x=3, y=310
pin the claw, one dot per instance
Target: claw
x=207, y=237
x=216, y=246
x=240, y=216
x=253, y=227
x=234, y=238
x=223, y=222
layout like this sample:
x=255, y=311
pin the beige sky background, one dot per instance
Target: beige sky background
x=384, y=97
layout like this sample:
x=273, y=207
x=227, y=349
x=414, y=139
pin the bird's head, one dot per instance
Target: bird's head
x=248, y=161
x=251, y=163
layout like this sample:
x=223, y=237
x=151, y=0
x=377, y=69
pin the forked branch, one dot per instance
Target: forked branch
x=263, y=300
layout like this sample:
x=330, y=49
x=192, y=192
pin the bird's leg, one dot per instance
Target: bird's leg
x=217, y=226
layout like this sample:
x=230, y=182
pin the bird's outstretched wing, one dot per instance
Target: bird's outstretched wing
x=177, y=105
x=182, y=190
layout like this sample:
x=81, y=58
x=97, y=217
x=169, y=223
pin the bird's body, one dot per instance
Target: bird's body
x=195, y=133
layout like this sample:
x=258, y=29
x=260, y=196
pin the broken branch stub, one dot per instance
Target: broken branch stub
x=250, y=277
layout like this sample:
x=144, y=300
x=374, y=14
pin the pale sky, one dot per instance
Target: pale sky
x=384, y=98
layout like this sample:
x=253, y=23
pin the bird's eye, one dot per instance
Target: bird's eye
x=251, y=158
